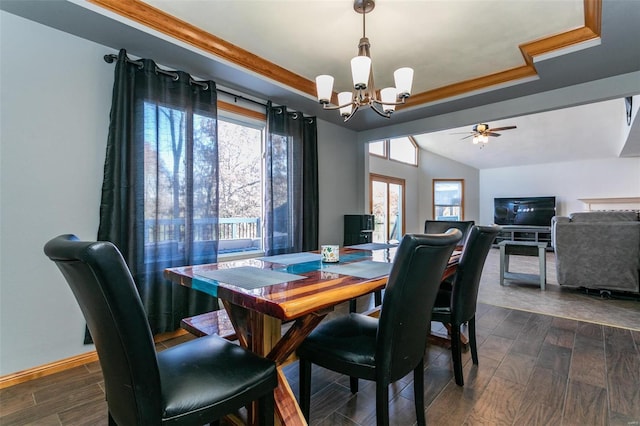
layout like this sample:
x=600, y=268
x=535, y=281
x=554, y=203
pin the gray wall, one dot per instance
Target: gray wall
x=434, y=166
x=55, y=99
x=340, y=176
x=568, y=182
x=55, y=109
x=411, y=176
x=418, y=185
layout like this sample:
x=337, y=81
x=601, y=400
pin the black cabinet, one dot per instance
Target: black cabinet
x=358, y=228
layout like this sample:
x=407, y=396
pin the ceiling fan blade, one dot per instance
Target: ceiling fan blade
x=466, y=137
x=502, y=128
x=492, y=134
x=462, y=133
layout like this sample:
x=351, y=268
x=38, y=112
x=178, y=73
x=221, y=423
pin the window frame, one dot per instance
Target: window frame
x=385, y=151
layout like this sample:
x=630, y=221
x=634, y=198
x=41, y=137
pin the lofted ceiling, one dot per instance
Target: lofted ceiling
x=466, y=54
x=591, y=131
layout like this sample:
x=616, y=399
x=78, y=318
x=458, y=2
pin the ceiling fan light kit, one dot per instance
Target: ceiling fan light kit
x=365, y=93
x=480, y=139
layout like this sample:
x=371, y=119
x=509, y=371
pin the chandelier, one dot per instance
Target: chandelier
x=364, y=92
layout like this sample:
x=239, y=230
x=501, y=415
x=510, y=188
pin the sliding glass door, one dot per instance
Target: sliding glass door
x=386, y=197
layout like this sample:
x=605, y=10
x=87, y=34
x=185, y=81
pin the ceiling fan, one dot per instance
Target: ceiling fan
x=482, y=131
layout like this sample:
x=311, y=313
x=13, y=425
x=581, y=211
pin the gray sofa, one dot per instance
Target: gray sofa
x=598, y=250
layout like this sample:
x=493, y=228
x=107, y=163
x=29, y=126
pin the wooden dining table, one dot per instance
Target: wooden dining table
x=260, y=294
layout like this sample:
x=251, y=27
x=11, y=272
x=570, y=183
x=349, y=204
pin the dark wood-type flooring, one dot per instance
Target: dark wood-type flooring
x=534, y=370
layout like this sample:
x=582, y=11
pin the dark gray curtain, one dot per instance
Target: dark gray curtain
x=160, y=191
x=291, y=216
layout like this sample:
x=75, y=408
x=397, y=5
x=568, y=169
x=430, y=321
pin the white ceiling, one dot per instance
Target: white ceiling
x=589, y=131
x=446, y=41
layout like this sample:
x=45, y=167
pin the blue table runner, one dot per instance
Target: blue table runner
x=366, y=269
x=292, y=258
x=247, y=277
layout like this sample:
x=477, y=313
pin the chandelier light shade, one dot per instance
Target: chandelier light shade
x=388, y=97
x=403, y=78
x=345, y=98
x=364, y=92
x=360, y=71
x=324, y=87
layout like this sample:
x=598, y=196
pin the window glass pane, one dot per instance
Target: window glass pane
x=240, y=189
x=205, y=176
x=379, y=210
x=395, y=212
x=447, y=193
x=377, y=148
x=387, y=205
x=403, y=149
x=447, y=199
x=164, y=178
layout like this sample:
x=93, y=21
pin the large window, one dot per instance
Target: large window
x=448, y=199
x=237, y=226
x=404, y=150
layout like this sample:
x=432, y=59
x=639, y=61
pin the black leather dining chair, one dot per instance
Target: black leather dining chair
x=439, y=226
x=456, y=303
x=430, y=227
x=193, y=383
x=387, y=348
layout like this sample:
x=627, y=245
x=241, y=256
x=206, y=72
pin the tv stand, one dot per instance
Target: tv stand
x=537, y=234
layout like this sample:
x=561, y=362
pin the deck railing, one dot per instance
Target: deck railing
x=229, y=228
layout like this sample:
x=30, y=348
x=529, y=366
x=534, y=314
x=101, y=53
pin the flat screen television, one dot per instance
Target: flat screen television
x=524, y=211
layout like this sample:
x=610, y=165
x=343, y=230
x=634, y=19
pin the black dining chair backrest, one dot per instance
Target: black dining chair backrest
x=192, y=383
x=466, y=282
x=404, y=323
x=133, y=382
x=440, y=226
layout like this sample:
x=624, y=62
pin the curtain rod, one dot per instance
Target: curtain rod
x=111, y=58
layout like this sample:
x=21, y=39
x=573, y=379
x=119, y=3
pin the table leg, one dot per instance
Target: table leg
x=287, y=408
x=279, y=350
x=542, y=257
x=502, y=264
x=262, y=334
